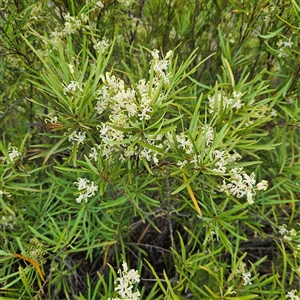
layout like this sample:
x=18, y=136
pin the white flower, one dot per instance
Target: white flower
x=279, y=43
x=93, y=154
x=250, y=197
x=88, y=189
x=249, y=180
x=184, y=143
x=234, y=157
x=263, y=185
x=218, y=154
x=274, y=113
x=221, y=101
x=71, y=68
x=224, y=187
x=282, y=53
x=292, y=295
x=146, y=153
x=172, y=33
x=240, y=183
x=145, y=113
x=287, y=234
x=282, y=45
x=7, y=221
x=72, y=24
x=142, y=87
x=101, y=45
x=247, y=278
x=101, y=106
x=91, y=189
x=80, y=198
x=128, y=152
x=104, y=131
x=288, y=43
x=125, y=283
x=221, y=167
x=132, y=109
x=13, y=154
x=99, y=4
x=208, y=134
x=155, y=54
x=282, y=229
x=77, y=136
x=237, y=100
x=51, y=119
x=82, y=183
x=237, y=95
x=72, y=87
x=242, y=270
x=181, y=164
x=160, y=66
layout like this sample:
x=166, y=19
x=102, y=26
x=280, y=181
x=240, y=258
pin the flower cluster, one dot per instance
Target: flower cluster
x=160, y=65
x=224, y=158
x=7, y=222
x=73, y=87
x=208, y=133
x=13, y=154
x=292, y=295
x=125, y=284
x=131, y=107
x=37, y=249
x=77, y=136
x=273, y=113
x=94, y=153
x=246, y=275
x=287, y=234
x=268, y=13
x=183, y=141
x=221, y=101
x=239, y=183
x=283, y=45
x=71, y=26
x=236, y=181
x=101, y=45
x=51, y=119
x=86, y=188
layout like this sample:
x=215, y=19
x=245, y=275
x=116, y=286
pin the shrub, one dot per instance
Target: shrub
x=167, y=144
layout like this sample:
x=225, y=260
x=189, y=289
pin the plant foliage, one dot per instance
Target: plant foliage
x=157, y=134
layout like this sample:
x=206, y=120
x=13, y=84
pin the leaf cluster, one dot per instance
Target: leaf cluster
x=84, y=95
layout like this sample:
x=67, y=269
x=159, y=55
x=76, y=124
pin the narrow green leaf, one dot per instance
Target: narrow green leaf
x=42, y=237
x=272, y=34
